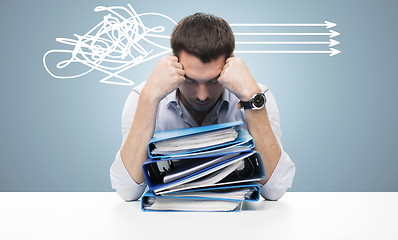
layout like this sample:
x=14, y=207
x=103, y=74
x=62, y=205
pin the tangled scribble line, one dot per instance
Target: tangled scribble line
x=119, y=42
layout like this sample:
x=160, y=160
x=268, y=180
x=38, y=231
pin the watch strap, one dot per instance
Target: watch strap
x=246, y=104
x=249, y=104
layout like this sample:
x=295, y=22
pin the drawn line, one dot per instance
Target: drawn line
x=327, y=24
x=332, y=52
x=331, y=34
x=105, y=79
x=331, y=43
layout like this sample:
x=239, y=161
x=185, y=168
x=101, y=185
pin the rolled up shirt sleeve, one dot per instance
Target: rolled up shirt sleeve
x=121, y=180
x=124, y=184
x=282, y=177
x=280, y=180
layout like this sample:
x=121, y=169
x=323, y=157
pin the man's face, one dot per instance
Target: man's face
x=201, y=89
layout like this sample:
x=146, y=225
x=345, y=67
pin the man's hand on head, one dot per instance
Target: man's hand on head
x=167, y=76
x=237, y=79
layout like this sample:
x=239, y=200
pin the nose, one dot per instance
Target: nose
x=202, y=92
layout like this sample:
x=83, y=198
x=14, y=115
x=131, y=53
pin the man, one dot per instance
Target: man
x=201, y=84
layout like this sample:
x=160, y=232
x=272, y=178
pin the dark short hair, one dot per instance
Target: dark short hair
x=204, y=36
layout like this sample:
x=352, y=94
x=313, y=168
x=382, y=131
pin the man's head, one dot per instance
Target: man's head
x=204, y=36
x=202, y=42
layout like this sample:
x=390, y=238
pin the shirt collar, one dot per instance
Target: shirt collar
x=226, y=96
x=171, y=98
x=172, y=101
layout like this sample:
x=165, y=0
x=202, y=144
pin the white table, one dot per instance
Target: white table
x=105, y=216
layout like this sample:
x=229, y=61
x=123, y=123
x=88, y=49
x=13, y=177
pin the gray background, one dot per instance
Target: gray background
x=338, y=114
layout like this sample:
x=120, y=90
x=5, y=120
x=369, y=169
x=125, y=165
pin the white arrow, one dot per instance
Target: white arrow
x=332, y=52
x=331, y=43
x=331, y=34
x=327, y=24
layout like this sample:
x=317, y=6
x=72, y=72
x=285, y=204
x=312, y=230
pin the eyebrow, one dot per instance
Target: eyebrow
x=212, y=79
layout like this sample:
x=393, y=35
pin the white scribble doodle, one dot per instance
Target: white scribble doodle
x=119, y=42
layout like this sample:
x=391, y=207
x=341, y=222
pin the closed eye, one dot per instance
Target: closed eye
x=214, y=81
x=189, y=80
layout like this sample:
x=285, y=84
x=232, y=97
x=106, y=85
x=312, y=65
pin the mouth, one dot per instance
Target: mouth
x=201, y=103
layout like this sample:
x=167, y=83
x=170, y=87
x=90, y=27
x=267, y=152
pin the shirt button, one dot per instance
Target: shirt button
x=178, y=105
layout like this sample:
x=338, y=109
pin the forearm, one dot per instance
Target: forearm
x=134, y=149
x=237, y=79
x=266, y=143
x=165, y=78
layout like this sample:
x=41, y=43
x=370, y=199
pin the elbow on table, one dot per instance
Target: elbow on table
x=273, y=194
x=128, y=195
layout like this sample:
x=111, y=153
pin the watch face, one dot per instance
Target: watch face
x=259, y=100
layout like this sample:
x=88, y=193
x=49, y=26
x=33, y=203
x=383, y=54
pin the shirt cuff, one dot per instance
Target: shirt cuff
x=124, y=184
x=280, y=180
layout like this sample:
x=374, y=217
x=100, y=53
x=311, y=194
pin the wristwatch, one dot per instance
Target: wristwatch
x=257, y=101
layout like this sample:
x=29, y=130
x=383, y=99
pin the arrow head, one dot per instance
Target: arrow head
x=333, y=33
x=334, y=52
x=333, y=42
x=330, y=24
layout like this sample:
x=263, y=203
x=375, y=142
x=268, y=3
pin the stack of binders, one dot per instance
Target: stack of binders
x=207, y=168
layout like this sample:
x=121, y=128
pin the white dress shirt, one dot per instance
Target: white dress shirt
x=172, y=114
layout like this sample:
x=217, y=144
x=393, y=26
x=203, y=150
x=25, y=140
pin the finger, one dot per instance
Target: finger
x=229, y=59
x=220, y=80
x=173, y=58
x=178, y=65
x=226, y=66
x=181, y=72
x=182, y=79
x=221, y=76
